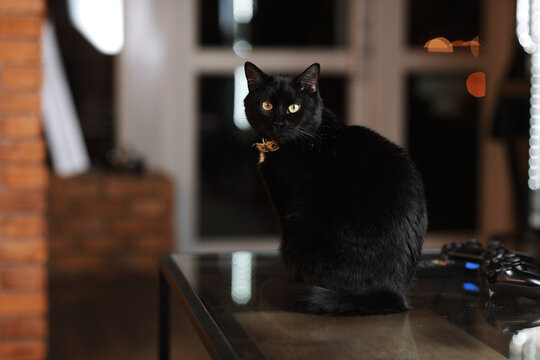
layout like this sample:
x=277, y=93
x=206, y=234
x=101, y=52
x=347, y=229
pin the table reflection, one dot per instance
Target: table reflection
x=521, y=317
x=241, y=269
x=453, y=316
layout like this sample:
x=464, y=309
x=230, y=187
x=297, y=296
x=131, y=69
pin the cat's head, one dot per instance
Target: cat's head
x=283, y=108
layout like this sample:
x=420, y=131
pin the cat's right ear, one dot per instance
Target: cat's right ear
x=255, y=76
x=309, y=79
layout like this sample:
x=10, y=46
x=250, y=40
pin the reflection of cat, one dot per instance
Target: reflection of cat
x=350, y=203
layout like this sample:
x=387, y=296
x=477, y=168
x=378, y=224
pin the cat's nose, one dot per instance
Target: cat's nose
x=279, y=124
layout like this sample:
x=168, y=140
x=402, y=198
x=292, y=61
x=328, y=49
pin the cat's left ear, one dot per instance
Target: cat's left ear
x=309, y=79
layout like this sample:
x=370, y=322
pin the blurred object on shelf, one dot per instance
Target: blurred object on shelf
x=125, y=160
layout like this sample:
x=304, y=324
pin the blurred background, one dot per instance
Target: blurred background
x=149, y=150
x=170, y=100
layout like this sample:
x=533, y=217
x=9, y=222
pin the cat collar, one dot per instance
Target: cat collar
x=266, y=146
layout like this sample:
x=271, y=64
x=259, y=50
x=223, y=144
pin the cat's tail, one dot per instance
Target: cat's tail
x=318, y=300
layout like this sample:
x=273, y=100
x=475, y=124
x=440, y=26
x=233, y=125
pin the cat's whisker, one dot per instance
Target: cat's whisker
x=306, y=136
x=302, y=136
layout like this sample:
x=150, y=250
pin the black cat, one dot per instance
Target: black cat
x=350, y=203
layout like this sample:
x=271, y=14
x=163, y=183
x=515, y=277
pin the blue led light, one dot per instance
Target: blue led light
x=472, y=266
x=470, y=287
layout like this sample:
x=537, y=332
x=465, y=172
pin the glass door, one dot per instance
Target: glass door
x=227, y=206
x=375, y=72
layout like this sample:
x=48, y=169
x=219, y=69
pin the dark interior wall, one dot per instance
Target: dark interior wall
x=91, y=79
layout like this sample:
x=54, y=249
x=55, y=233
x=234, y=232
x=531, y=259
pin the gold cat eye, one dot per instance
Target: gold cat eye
x=294, y=108
x=267, y=105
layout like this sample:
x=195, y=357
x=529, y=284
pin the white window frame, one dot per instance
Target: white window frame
x=375, y=62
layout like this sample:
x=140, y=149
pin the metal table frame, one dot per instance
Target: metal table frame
x=171, y=278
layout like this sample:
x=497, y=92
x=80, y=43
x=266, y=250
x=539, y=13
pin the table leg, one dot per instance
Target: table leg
x=164, y=318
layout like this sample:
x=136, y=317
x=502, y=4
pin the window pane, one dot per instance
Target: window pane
x=273, y=22
x=454, y=20
x=231, y=200
x=442, y=140
x=91, y=77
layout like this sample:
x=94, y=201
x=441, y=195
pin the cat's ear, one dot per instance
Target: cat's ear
x=309, y=79
x=255, y=76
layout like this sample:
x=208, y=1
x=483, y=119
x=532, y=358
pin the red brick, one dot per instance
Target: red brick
x=129, y=186
x=29, y=6
x=20, y=252
x=104, y=244
x=19, y=51
x=59, y=207
x=135, y=226
x=71, y=188
x=28, y=26
x=28, y=150
x=25, y=201
x=23, y=350
x=23, y=278
x=27, y=101
x=141, y=263
x=15, y=304
x=23, y=328
x=26, y=177
x=153, y=243
x=25, y=226
x=151, y=207
x=128, y=238
x=23, y=182
x=22, y=126
x=98, y=208
x=73, y=263
x=163, y=185
x=58, y=245
x=78, y=226
x=21, y=77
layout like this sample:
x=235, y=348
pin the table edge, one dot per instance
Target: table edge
x=209, y=332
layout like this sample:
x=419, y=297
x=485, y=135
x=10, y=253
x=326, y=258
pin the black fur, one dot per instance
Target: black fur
x=350, y=203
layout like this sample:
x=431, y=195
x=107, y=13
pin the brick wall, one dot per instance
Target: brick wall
x=23, y=184
x=104, y=225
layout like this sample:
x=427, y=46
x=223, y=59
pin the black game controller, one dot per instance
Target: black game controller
x=473, y=251
x=505, y=273
x=497, y=251
x=456, y=259
x=510, y=275
x=430, y=268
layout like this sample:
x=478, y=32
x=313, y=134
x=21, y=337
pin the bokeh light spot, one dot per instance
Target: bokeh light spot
x=476, y=84
x=458, y=43
x=474, y=44
x=440, y=45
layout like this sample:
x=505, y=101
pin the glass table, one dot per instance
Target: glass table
x=242, y=308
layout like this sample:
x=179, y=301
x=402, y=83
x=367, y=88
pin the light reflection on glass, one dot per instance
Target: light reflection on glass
x=527, y=29
x=242, y=48
x=523, y=25
x=534, y=150
x=234, y=20
x=242, y=11
x=241, y=277
x=523, y=344
x=101, y=22
x=240, y=92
